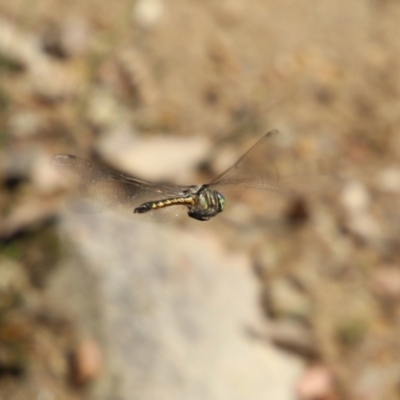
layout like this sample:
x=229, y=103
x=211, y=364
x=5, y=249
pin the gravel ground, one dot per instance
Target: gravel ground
x=177, y=90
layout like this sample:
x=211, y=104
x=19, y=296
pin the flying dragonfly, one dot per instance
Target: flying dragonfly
x=104, y=188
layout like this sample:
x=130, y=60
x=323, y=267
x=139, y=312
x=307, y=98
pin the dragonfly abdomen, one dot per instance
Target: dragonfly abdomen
x=154, y=205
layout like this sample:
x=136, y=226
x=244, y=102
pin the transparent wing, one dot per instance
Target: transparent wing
x=99, y=188
x=271, y=165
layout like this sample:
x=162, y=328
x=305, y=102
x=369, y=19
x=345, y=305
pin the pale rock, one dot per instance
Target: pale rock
x=173, y=310
x=161, y=157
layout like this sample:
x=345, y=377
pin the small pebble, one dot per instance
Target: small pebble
x=25, y=124
x=76, y=36
x=13, y=283
x=389, y=180
x=103, y=110
x=355, y=197
x=45, y=179
x=293, y=336
x=316, y=384
x=285, y=300
x=386, y=282
x=86, y=362
x=147, y=13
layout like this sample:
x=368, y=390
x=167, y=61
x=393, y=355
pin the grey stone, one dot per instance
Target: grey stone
x=172, y=310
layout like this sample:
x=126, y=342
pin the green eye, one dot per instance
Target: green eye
x=221, y=201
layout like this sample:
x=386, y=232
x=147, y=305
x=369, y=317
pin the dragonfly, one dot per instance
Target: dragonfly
x=105, y=188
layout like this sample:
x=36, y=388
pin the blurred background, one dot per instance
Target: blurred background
x=272, y=299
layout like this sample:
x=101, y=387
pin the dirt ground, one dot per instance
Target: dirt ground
x=92, y=77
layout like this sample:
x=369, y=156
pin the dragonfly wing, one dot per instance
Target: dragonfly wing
x=273, y=166
x=99, y=187
x=229, y=174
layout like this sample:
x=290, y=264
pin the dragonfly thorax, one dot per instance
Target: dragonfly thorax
x=206, y=203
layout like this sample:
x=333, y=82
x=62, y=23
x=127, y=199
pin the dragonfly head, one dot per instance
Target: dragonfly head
x=207, y=204
x=210, y=201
